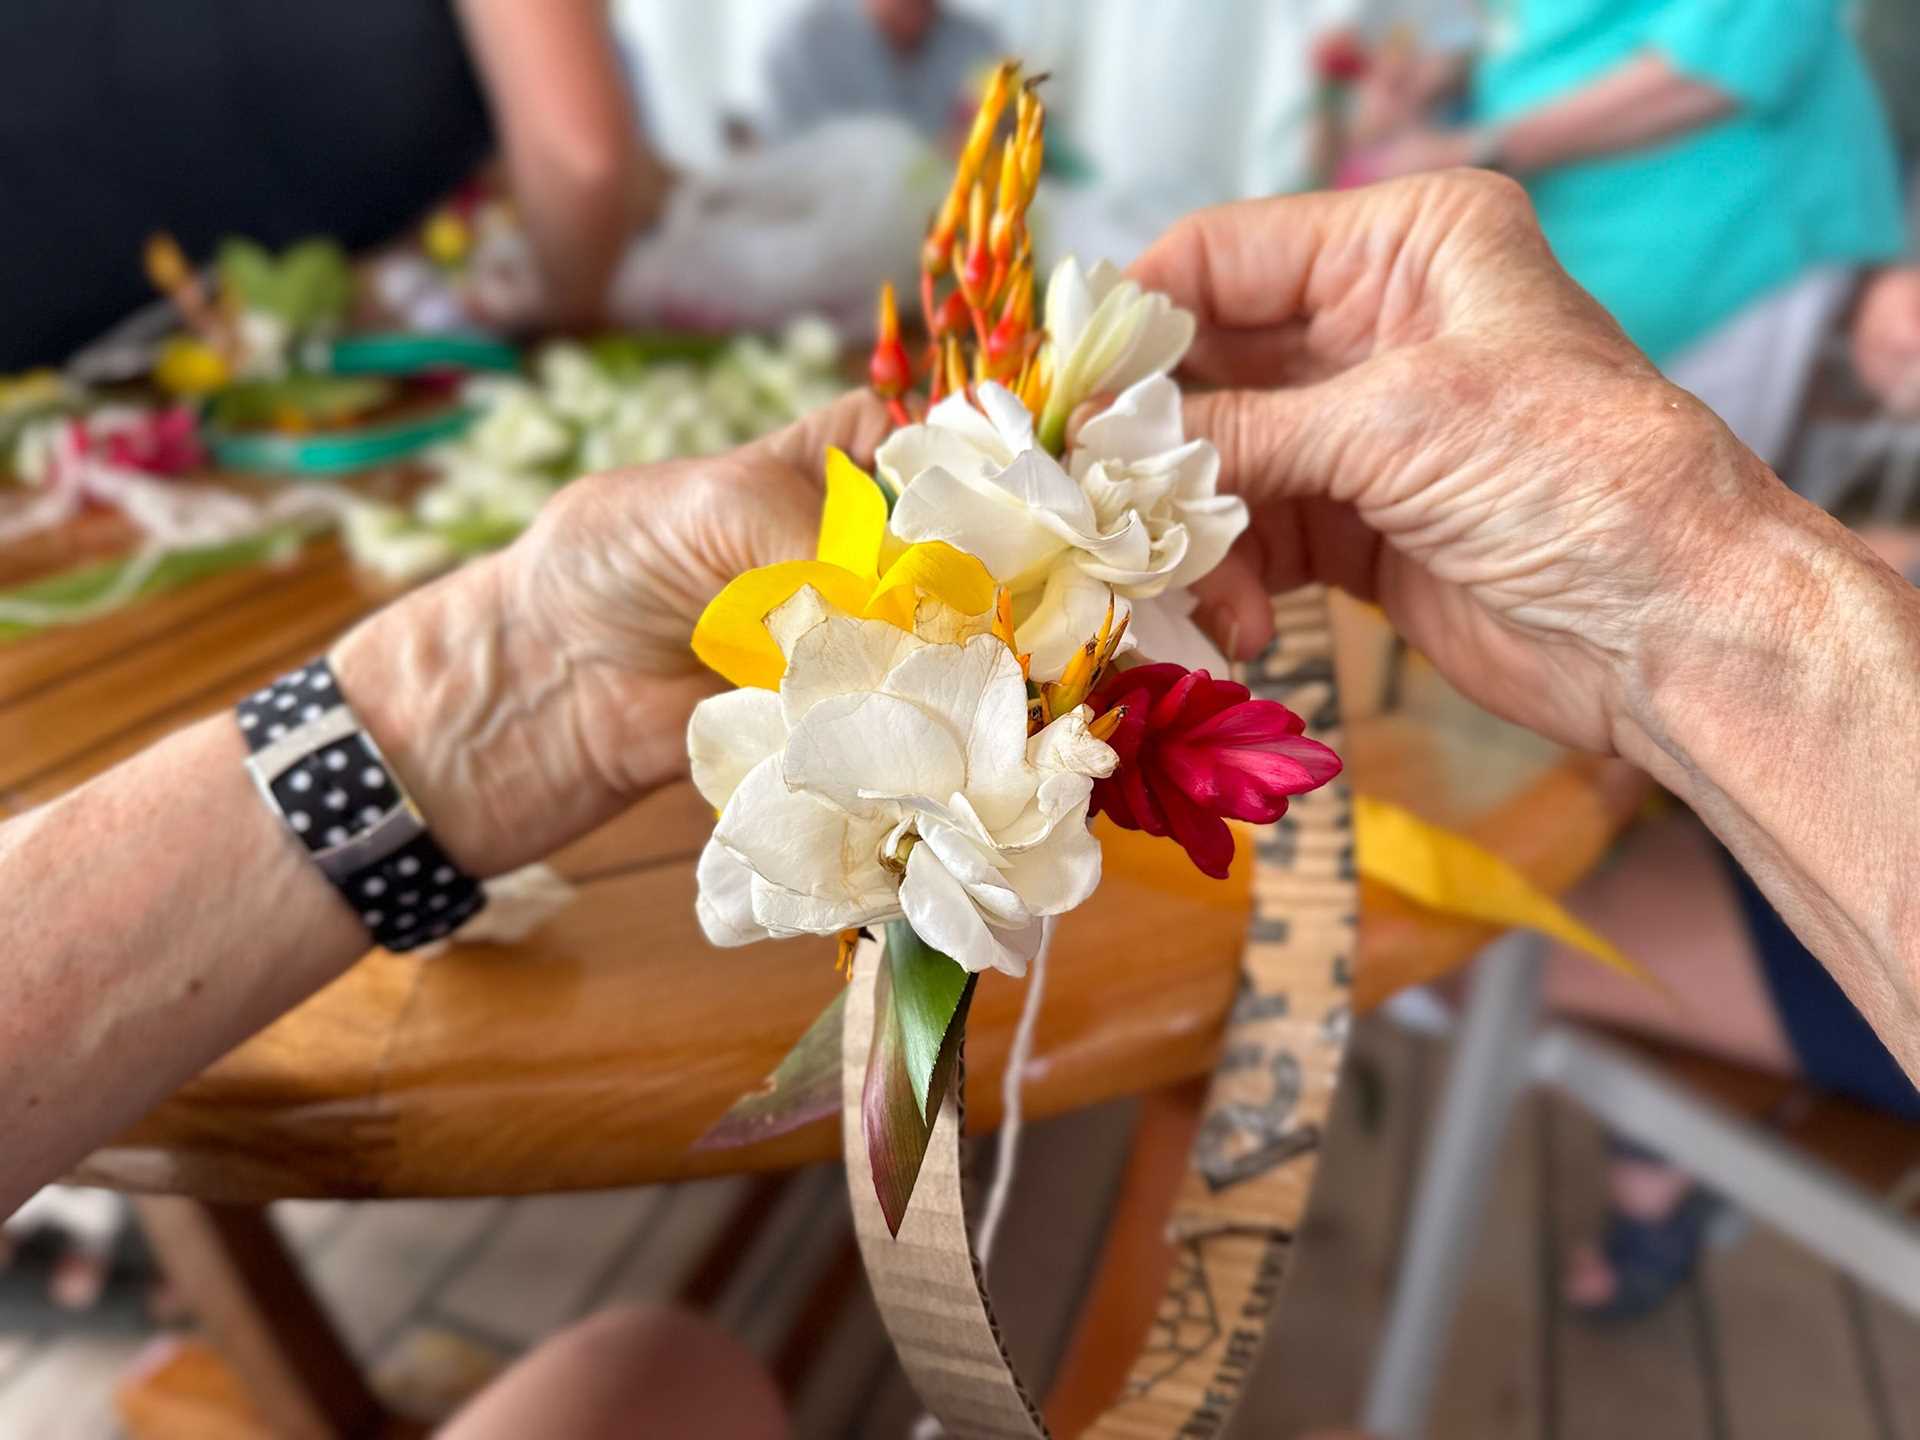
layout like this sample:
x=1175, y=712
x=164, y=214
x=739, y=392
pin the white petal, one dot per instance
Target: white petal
x=995, y=527
x=975, y=865
x=967, y=445
x=1067, y=746
x=1069, y=304
x=1212, y=525
x=1127, y=557
x=863, y=750
x=1036, y=480
x=1163, y=334
x=957, y=415
x=725, y=903
x=979, y=692
x=798, y=841
x=795, y=616
x=1011, y=420
x=1058, y=874
x=1164, y=631
x=1071, y=608
x=1143, y=421
x=788, y=912
x=944, y=915
x=729, y=735
x=837, y=656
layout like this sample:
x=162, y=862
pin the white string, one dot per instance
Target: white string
x=1007, y=1153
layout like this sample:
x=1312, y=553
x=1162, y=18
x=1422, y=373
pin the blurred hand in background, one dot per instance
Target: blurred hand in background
x=1886, y=338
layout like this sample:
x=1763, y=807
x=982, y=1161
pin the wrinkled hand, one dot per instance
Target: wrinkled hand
x=533, y=695
x=1429, y=413
x=1886, y=338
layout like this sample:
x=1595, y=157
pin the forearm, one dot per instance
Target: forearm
x=156, y=917
x=1642, y=103
x=1782, y=710
x=582, y=177
x=161, y=914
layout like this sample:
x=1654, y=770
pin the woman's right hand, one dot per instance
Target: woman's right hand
x=1422, y=408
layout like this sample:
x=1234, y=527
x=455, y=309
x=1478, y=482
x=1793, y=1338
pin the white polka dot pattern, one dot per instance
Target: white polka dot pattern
x=345, y=784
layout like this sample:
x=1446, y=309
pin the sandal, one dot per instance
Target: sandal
x=1650, y=1259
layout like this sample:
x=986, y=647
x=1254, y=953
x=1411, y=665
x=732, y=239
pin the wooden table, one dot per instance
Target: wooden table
x=591, y=1054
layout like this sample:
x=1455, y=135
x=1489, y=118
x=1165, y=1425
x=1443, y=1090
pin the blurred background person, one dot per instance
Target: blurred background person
x=1715, y=172
x=918, y=60
x=119, y=118
x=1885, y=336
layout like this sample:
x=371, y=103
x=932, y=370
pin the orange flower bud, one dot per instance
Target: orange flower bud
x=956, y=367
x=889, y=369
x=950, y=316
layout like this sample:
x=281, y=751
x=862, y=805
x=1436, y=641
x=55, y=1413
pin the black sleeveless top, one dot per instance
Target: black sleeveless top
x=211, y=118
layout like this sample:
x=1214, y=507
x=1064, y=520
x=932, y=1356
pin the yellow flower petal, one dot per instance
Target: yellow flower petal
x=1450, y=874
x=732, y=636
x=854, y=522
x=934, y=567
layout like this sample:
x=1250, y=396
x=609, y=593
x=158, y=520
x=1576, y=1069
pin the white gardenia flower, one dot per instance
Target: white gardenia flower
x=893, y=776
x=1134, y=515
x=1106, y=333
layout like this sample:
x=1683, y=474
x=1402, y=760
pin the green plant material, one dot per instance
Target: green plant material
x=896, y=1126
x=305, y=399
x=478, y=534
x=927, y=987
x=804, y=1087
x=78, y=589
x=626, y=356
x=309, y=286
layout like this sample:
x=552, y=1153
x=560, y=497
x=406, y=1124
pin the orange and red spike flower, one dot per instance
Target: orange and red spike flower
x=889, y=368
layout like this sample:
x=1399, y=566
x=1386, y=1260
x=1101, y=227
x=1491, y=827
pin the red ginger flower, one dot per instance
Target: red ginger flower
x=1195, y=751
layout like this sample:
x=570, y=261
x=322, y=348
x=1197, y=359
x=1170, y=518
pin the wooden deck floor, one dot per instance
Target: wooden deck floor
x=1768, y=1345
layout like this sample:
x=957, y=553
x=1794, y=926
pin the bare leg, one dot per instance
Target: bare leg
x=630, y=1371
x=1666, y=901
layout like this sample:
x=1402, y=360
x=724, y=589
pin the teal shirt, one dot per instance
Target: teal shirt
x=1676, y=238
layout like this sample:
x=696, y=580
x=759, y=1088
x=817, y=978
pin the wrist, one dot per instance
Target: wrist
x=1743, y=654
x=468, y=709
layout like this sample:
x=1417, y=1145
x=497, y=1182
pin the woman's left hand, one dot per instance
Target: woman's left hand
x=533, y=695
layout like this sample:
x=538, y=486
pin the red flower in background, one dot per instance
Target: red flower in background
x=157, y=442
x=1340, y=57
x=1195, y=751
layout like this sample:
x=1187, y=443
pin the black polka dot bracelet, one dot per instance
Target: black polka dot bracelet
x=329, y=784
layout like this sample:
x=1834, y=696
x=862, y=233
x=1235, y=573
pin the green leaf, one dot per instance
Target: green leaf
x=803, y=1087
x=315, y=284
x=896, y=1128
x=246, y=273
x=78, y=589
x=309, y=284
x=927, y=987
x=316, y=399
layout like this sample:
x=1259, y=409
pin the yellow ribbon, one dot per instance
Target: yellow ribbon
x=1450, y=874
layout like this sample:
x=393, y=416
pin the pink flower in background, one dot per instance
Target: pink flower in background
x=154, y=442
x=1195, y=752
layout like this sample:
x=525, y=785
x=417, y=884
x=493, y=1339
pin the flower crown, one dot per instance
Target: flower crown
x=930, y=711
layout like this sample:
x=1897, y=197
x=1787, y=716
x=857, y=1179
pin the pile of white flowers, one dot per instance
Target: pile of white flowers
x=576, y=415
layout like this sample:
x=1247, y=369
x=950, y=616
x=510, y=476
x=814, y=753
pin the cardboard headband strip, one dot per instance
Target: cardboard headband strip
x=1252, y=1167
